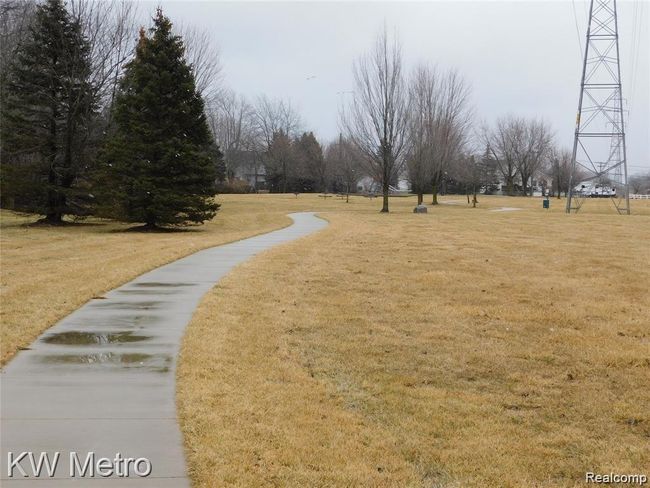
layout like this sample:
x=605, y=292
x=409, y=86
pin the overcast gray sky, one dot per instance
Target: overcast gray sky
x=520, y=57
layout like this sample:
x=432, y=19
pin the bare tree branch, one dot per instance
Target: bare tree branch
x=204, y=55
x=110, y=27
x=272, y=116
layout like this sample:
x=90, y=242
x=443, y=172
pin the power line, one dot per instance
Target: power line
x=636, y=47
x=575, y=18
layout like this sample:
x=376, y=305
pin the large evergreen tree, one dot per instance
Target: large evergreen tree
x=48, y=104
x=160, y=163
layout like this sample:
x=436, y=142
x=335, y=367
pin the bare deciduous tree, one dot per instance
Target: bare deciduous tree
x=423, y=101
x=452, y=122
x=640, y=183
x=499, y=144
x=272, y=116
x=439, y=121
x=230, y=118
x=532, y=142
x=558, y=168
x=520, y=147
x=344, y=160
x=472, y=172
x=376, y=121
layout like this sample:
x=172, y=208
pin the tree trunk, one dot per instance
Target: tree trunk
x=434, y=199
x=384, y=207
x=385, y=182
x=52, y=213
x=150, y=221
x=284, y=177
x=524, y=185
x=54, y=218
x=474, y=199
x=420, y=198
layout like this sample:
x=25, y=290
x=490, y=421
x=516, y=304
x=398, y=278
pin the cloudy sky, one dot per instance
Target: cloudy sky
x=520, y=57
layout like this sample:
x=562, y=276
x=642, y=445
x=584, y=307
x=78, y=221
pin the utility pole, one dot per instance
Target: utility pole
x=599, y=153
x=344, y=164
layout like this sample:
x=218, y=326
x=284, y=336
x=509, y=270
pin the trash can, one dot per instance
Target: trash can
x=547, y=203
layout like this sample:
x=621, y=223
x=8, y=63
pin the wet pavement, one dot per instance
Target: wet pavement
x=102, y=381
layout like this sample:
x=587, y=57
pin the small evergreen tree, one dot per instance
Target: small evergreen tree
x=160, y=163
x=279, y=162
x=490, y=172
x=48, y=104
x=313, y=164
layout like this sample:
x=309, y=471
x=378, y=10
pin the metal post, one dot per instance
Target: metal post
x=620, y=104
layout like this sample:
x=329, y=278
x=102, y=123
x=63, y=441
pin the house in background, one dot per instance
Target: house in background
x=248, y=166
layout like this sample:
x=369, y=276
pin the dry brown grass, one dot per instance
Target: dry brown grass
x=47, y=272
x=462, y=348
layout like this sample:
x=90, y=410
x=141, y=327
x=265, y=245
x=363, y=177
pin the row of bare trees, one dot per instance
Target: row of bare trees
x=421, y=127
x=439, y=124
x=266, y=136
x=521, y=147
x=247, y=131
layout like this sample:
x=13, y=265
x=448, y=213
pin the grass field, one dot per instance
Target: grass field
x=464, y=347
x=47, y=272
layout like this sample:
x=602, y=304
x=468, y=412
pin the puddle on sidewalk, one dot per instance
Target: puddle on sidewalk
x=145, y=305
x=160, y=284
x=122, y=322
x=78, y=338
x=148, y=291
x=159, y=363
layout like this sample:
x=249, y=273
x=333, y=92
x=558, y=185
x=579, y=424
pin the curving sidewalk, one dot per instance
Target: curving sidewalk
x=102, y=380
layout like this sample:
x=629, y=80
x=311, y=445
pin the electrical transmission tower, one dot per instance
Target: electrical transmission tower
x=599, y=165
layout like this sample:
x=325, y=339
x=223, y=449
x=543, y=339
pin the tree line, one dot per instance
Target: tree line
x=97, y=119
x=267, y=135
x=93, y=125
x=422, y=125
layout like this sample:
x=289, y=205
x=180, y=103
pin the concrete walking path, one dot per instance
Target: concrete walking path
x=102, y=380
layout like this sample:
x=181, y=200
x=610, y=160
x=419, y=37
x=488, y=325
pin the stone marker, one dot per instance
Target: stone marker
x=420, y=209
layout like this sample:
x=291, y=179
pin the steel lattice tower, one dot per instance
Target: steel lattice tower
x=599, y=157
